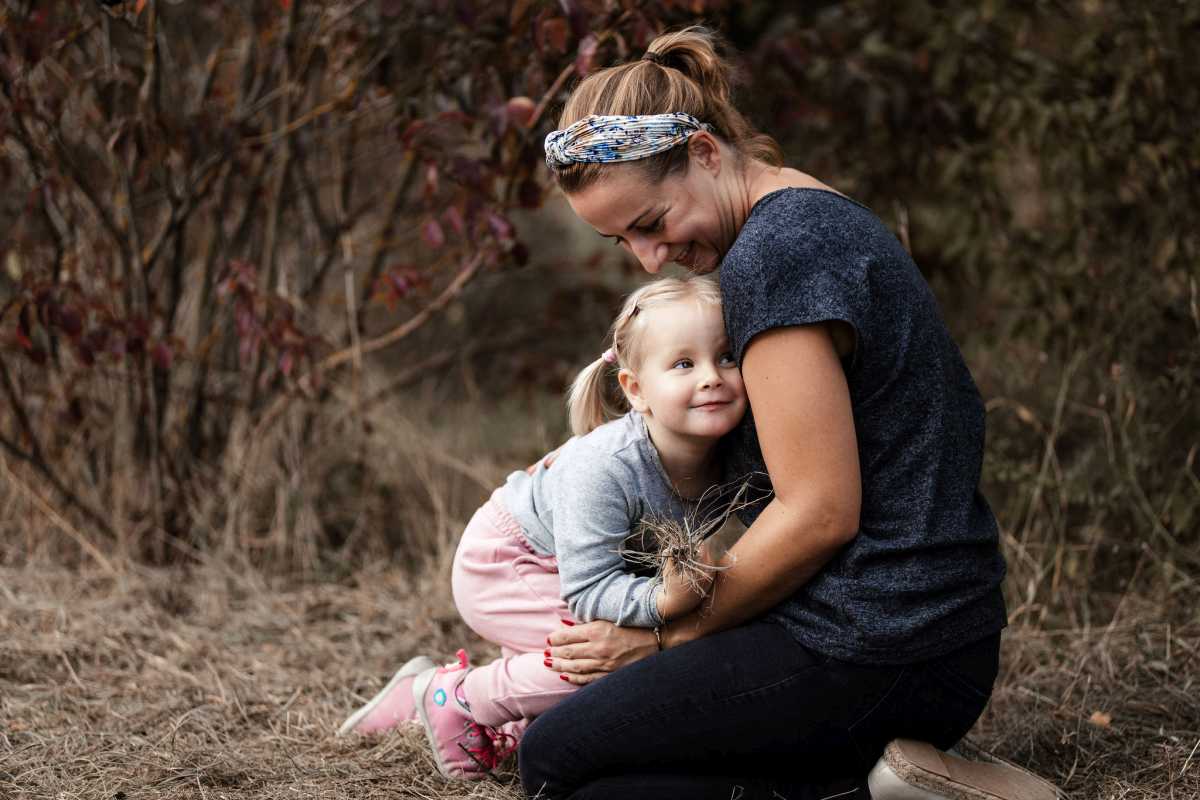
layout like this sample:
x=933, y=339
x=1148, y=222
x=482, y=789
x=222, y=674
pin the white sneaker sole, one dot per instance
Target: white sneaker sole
x=414, y=666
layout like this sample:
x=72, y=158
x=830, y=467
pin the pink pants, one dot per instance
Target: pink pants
x=509, y=595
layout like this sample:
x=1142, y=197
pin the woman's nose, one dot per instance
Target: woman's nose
x=650, y=253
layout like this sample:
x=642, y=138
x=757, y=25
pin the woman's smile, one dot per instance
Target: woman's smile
x=678, y=219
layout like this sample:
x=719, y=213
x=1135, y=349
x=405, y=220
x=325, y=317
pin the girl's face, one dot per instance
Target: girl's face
x=687, y=382
x=684, y=219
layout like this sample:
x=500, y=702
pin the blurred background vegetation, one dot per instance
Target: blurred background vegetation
x=283, y=281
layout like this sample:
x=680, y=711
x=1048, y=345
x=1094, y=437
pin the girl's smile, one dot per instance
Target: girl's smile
x=686, y=382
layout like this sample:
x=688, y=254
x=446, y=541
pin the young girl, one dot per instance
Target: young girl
x=546, y=548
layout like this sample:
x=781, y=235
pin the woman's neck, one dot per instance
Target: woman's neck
x=690, y=461
x=762, y=179
x=742, y=188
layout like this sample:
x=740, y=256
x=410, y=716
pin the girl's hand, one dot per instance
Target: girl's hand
x=587, y=652
x=680, y=594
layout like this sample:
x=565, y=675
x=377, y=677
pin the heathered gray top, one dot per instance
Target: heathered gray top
x=922, y=576
x=583, y=509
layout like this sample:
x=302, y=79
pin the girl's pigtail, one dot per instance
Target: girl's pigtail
x=589, y=403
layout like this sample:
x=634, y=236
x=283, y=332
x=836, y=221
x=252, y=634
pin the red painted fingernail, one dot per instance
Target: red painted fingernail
x=547, y=663
x=564, y=677
x=548, y=642
x=567, y=622
x=546, y=653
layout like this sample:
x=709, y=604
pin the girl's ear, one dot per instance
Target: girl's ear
x=633, y=390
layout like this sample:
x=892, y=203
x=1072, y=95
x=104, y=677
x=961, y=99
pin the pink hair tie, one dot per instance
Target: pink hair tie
x=609, y=356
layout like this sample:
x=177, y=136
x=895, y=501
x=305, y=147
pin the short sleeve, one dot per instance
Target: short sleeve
x=798, y=261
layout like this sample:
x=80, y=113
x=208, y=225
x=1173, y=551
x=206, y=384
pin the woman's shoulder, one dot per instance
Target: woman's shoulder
x=800, y=225
x=798, y=213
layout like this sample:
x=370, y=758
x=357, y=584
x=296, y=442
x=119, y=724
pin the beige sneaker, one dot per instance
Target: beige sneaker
x=911, y=770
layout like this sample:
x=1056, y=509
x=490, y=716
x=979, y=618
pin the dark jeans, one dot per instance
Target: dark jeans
x=745, y=714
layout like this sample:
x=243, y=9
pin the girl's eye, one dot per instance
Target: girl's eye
x=727, y=360
x=683, y=363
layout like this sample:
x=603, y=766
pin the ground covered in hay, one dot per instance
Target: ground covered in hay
x=214, y=683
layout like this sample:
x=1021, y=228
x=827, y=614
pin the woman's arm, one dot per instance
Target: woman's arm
x=802, y=411
x=806, y=431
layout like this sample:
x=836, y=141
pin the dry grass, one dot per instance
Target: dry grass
x=690, y=550
x=214, y=682
x=1110, y=713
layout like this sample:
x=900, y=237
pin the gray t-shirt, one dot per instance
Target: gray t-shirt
x=922, y=576
x=583, y=510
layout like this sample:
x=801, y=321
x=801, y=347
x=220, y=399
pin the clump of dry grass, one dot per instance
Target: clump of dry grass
x=685, y=549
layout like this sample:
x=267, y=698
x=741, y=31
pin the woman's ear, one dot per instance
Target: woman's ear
x=633, y=390
x=705, y=152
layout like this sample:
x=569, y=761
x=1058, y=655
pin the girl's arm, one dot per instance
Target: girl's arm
x=802, y=411
x=592, y=516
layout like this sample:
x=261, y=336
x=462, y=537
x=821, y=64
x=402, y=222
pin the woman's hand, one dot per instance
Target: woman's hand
x=544, y=461
x=587, y=652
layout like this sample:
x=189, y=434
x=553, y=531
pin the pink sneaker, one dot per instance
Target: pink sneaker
x=462, y=748
x=393, y=705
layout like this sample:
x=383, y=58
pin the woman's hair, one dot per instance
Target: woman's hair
x=681, y=72
x=592, y=400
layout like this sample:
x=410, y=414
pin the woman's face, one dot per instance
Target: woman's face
x=684, y=219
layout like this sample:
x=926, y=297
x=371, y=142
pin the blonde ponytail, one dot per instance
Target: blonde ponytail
x=681, y=72
x=592, y=400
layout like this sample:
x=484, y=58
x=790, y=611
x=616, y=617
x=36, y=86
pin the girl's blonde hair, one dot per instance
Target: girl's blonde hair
x=681, y=72
x=592, y=400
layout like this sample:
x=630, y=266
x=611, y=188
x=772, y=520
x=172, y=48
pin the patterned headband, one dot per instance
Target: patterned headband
x=603, y=139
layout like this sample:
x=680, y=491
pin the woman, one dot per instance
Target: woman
x=863, y=603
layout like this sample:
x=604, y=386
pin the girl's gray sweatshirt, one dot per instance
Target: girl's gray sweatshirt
x=583, y=509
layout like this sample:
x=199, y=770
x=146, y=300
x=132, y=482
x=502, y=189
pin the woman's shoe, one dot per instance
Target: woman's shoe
x=911, y=770
x=393, y=705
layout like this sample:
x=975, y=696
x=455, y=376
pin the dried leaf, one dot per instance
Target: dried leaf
x=500, y=226
x=553, y=34
x=454, y=218
x=162, y=356
x=432, y=234
x=519, y=111
x=586, y=58
x=520, y=10
x=286, y=361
